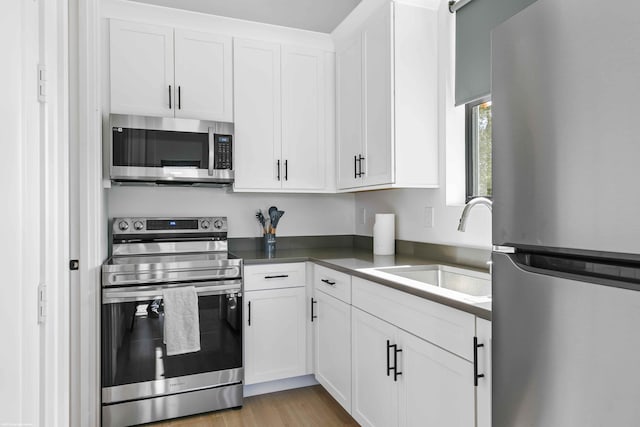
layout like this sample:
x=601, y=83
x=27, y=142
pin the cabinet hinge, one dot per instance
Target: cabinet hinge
x=42, y=83
x=42, y=303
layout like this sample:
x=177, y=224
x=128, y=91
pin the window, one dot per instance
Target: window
x=478, y=123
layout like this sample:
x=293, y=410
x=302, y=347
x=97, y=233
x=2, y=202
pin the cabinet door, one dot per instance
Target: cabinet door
x=349, y=111
x=141, y=66
x=333, y=347
x=257, y=115
x=378, y=136
x=303, y=121
x=274, y=332
x=436, y=387
x=483, y=391
x=203, y=76
x=374, y=397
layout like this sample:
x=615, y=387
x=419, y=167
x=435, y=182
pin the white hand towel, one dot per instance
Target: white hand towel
x=181, y=322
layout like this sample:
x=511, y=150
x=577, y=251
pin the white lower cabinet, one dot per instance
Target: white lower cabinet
x=402, y=380
x=274, y=334
x=332, y=322
x=435, y=388
x=375, y=396
x=483, y=398
x=389, y=358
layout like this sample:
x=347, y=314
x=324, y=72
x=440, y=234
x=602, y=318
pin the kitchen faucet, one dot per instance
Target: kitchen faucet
x=465, y=213
x=467, y=208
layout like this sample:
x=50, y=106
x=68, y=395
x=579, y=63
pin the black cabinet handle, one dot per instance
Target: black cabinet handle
x=249, y=313
x=313, y=316
x=279, y=276
x=476, y=375
x=393, y=368
x=169, y=96
x=328, y=282
x=396, y=350
x=278, y=165
x=179, y=98
x=388, y=358
x=360, y=159
x=286, y=170
x=355, y=166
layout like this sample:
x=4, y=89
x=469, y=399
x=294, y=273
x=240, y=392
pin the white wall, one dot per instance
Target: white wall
x=306, y=214
x=447, y=201
x=20, y=215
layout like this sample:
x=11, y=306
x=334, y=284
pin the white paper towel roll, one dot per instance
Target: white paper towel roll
x=384, y=234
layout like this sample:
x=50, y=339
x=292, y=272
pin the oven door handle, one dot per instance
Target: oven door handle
x=145, y=293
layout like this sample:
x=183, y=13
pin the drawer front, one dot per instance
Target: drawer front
x=333, y=283
x=274, y=276
x=443, y=326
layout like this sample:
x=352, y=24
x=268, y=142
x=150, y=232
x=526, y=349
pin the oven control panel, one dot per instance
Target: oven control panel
x=169, y=225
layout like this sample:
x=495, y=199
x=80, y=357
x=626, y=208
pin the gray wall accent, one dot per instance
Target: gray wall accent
x=440, y=253
x=293, y=242
x=444, y=253
x=433, y=252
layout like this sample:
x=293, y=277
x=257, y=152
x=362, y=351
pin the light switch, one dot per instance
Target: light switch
x=428, y=217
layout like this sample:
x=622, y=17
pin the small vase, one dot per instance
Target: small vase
x=269, y=245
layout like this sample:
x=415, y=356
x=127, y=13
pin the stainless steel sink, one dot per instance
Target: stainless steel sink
x=469, y=282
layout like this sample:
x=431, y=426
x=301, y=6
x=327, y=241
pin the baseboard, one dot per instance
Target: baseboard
x=279, y=385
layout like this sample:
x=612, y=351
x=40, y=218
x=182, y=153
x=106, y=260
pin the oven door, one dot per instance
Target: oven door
x=134, y=359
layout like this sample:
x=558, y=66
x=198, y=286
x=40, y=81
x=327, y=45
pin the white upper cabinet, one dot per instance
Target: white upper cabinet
x=303, y=122
x=257, y=115
x=349, y=111
x=283, y=118
x=387, y=90
x=377, y=166
x=141, y=69
x=158, y=72
x=203, y=76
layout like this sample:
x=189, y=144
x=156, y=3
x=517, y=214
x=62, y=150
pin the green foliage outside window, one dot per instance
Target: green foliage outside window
x=479, y=150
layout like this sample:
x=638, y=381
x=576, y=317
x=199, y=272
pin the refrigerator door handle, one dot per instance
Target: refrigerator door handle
x=504, y=249
x=604, y=271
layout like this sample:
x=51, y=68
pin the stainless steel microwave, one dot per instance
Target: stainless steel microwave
x=164, y=150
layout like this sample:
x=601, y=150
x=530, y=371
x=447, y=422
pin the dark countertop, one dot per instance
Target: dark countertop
x=359, y=262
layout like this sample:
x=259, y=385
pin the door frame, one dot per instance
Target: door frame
x=87, y=209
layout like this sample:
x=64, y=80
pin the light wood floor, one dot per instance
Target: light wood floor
x=308, y=407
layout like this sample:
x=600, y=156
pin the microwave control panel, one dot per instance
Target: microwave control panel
x=222, y=154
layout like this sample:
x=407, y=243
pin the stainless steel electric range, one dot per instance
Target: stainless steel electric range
x=140, y=382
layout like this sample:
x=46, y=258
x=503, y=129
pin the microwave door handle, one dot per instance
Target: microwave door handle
x=211, y=151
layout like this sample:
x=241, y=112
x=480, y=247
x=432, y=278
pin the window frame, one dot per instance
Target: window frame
x=470, y=159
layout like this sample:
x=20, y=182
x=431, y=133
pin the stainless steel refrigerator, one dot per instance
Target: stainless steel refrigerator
x=566, y=215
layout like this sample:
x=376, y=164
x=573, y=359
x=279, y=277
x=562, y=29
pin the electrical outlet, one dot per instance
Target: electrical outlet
x=363, y=216
x=428, y=217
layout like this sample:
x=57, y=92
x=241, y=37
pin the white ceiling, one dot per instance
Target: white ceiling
x=314, y=15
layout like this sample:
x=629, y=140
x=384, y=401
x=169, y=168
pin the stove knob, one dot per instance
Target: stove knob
x=218, y=224
x=138, y=225
x=123, y=225
x=205, y=224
